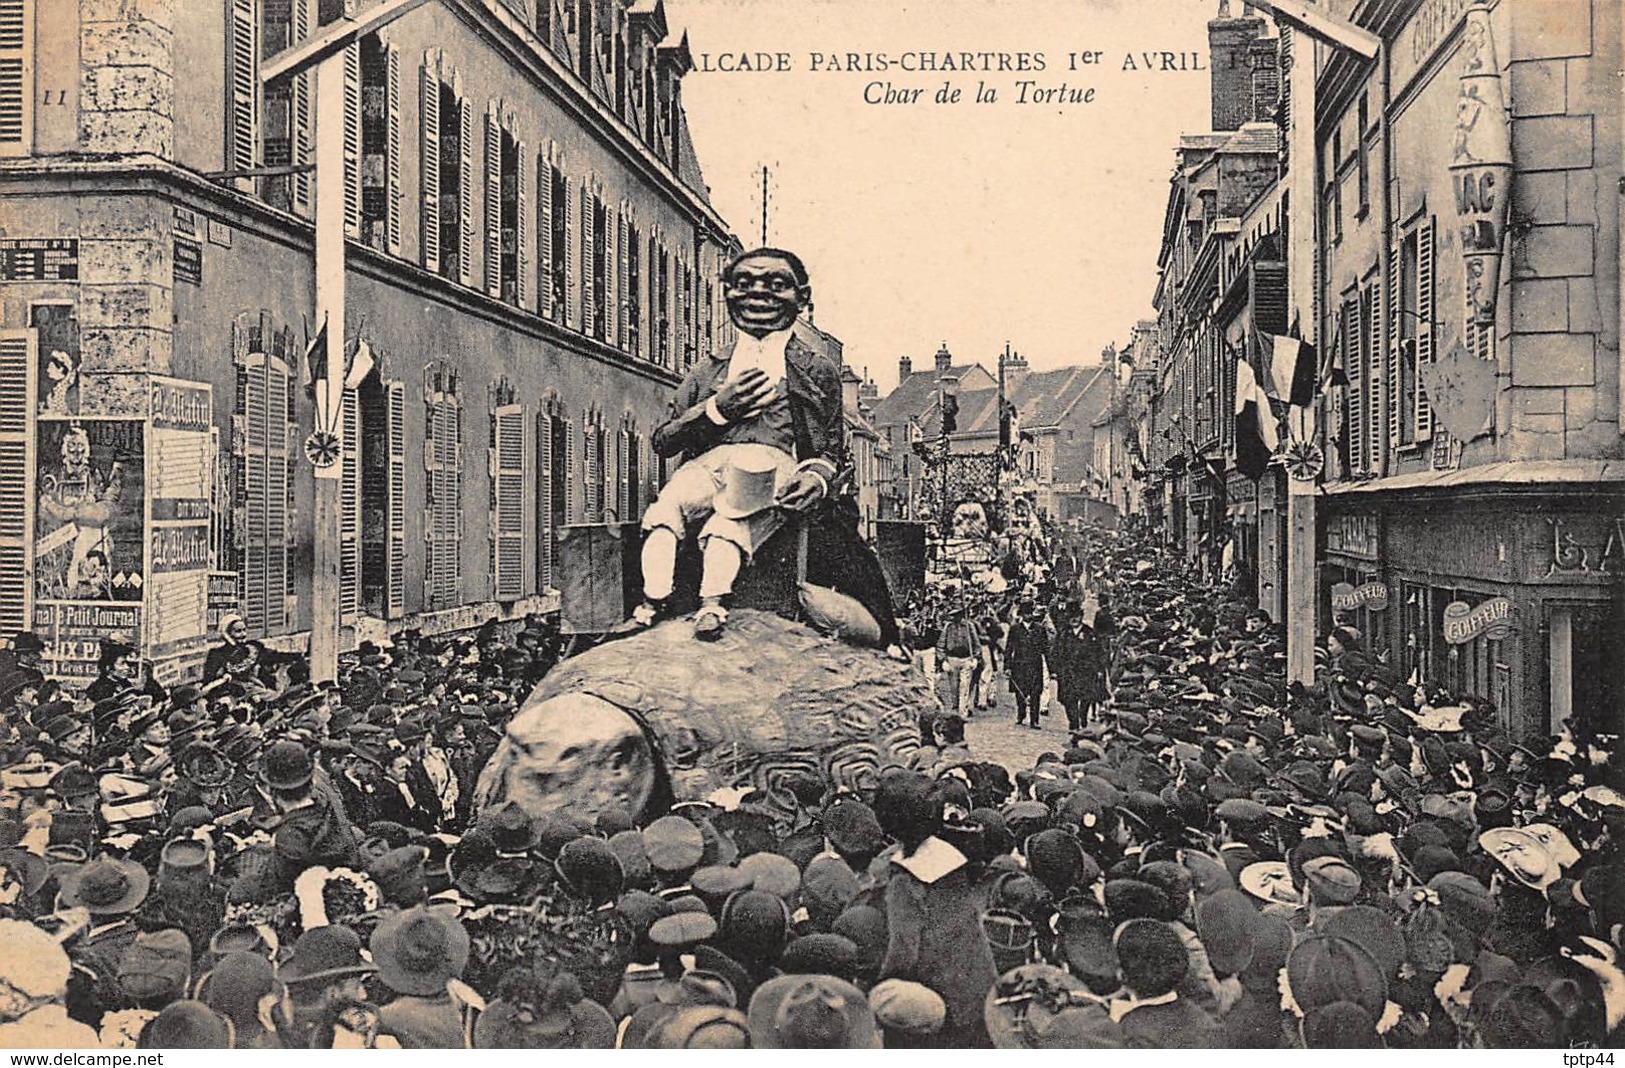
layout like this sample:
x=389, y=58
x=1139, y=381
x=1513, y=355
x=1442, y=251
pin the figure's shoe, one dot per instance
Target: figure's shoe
x=643, y=617
x=709, y=620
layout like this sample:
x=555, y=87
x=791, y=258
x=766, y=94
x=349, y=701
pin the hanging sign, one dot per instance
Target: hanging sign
x=1481, y=165
x=1464, y=622
x=1372, y=596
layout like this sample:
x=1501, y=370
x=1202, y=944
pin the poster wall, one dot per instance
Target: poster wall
x=180, y=487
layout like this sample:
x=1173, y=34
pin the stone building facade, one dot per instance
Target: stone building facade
x=532, y=262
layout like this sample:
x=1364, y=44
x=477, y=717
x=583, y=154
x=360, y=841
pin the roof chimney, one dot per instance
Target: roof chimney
x=905, y=367
x=1014, y=368
x=945, y=359
x=1229, y=59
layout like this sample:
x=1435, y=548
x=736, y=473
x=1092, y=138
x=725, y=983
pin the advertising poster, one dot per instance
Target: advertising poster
x=90, y=482
x=180, y=467
x=57, y=327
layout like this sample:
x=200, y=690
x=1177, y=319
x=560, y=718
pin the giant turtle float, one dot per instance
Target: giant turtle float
x=657, y=717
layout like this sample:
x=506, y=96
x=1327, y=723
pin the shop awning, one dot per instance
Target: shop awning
x=1505, y=473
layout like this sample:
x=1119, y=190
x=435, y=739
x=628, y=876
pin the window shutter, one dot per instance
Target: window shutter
x=352, y=141
x=509, y=507
x=544, y=237
x=432, y=491
x=589, y=318
x=610, y=326
x=1424, y=326
x=570, y=509
x=243, y=54
x=396, y=596
x=350, y=509
x=1375, y=384
x=590, y=499
x=429, y=165
x=572, y=243
x=544, y=500
x=522, y=227
x=280, y=397
x=1357, y=390
x=302, y=141
x=16, y=77
x=392, y=191
x=465, y=191
x=1390, y=385
x=623, y=284
x=634, y=476
x=18, y=361
x=623, y=467
x=493, y=202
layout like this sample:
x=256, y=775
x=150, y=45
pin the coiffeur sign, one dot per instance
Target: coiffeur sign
x=1370, y=595
x=1464, y=622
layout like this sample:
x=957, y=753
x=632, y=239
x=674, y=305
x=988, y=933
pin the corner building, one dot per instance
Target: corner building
x=1476, y=537
x=532, y=263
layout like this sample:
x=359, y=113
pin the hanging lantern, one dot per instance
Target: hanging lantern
x=1481, y=165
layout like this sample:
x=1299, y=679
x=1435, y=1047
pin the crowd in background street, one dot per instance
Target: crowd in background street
x=1207, y=857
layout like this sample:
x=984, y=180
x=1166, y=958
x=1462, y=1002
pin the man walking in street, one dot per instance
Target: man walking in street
x=1024, y=653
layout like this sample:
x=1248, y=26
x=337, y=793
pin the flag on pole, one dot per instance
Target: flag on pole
x=316, y=360
x=1291, y=364
x=1255, y=423
x=360, y=365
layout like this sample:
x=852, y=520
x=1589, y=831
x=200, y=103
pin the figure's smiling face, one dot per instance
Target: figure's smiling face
x=764, y=294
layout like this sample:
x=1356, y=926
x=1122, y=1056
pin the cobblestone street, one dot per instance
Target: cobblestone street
x=994, y=736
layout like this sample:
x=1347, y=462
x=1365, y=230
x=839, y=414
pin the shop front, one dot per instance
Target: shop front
x=1515, y=598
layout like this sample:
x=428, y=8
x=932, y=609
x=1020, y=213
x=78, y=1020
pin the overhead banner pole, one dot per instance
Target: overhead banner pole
x=323, y=53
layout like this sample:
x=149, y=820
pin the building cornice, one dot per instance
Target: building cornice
x=148, y=175
x=506, y=30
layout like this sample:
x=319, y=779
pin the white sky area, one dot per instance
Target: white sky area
x=966, y=223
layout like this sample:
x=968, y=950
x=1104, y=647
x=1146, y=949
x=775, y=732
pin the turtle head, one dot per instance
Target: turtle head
x=571, y=752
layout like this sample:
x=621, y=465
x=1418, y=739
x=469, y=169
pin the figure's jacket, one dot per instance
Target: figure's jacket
x=813, y=384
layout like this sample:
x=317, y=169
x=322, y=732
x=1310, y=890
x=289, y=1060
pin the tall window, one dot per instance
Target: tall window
x=1406, y=330
x=630, y=445
x=383, y=497
x=506, y=465
x=662, y=313
x=452, y=174
x=507, y=268
x=512, y=215
x=286, y=108
x=555, y=455
x=710, y=319
x=559, y=226
x=1337, y=185
x=634, y=290
x=443, y=466
x=597, y=476
x=599, y=233
x=1364, y=161
x=380, y=145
